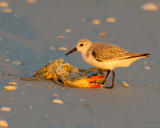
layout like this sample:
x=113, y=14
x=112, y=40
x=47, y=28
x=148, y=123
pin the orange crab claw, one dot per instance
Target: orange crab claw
x=95, y=78
x=96, y=86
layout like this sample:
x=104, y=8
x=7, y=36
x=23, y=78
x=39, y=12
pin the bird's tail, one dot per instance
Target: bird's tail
x=134, y=55
x=142, y=55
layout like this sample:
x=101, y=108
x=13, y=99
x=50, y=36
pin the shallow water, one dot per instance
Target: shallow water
x=26, y=35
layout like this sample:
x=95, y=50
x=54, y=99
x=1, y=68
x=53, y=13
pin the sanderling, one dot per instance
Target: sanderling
x=106, y=56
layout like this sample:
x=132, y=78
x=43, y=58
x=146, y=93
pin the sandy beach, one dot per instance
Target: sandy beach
x=33, y=32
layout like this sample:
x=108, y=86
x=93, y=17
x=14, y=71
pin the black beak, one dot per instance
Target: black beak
x=73, y=50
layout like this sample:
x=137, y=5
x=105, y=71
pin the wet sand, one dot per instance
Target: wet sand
x=32, y=34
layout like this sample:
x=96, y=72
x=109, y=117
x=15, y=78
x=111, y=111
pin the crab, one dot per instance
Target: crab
x=68, y=75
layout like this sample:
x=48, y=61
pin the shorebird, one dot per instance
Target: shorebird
x=106, y=56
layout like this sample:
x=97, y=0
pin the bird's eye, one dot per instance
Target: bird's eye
x=81, y=44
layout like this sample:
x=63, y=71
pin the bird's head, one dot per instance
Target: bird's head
x=82, y=46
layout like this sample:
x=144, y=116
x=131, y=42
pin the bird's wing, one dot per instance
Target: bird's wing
x=104, y=52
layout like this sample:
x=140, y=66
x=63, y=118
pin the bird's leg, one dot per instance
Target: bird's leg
x=113, y=74
x=113, y=77
x=108, y=71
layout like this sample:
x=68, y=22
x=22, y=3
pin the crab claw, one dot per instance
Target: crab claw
x=96, y=85
x=95, y=78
